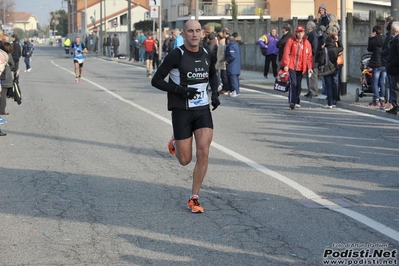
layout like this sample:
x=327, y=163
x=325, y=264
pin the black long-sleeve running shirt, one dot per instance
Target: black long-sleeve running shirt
x=187, y=69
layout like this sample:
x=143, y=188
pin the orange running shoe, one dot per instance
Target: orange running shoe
x=194, y=205
x=171, y=147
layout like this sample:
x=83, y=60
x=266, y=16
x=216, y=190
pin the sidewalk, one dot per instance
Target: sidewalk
x=255, y=80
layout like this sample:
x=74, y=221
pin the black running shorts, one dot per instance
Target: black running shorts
x=185, y=122
x=149, y=55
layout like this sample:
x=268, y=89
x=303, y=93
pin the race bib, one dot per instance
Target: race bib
x=199, y=99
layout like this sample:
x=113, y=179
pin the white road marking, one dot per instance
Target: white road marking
x=307, y=193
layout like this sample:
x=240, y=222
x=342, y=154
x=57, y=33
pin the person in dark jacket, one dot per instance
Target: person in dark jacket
x=16, y=54
x=6, y=77
x=384, y=58
x=375, y=44
x=27, y=50
x=322, y=37
x=312, y=79
x=211, y=45
x=115, y=45
x=331, y=80
x=132, y=46
x=393, y=67
x=283, y=40
x=324, y=18
x=232, y=59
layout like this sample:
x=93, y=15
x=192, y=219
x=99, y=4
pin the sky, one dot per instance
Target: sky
x=40, y=8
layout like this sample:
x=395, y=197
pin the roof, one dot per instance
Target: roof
x=21, y=17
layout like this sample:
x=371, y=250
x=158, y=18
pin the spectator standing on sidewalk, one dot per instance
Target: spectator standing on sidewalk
x=115, y=45
x=322, y=37
x=312, y=79
x=132, y=46
x=375, y=44
x=331, y=80
x=6, y=77
x=269, y=42
x=384, y=58
x=393, y=67
x=16, y=54
x=109, y=44
x=142, y=48
x=179, y=41
x=233, y=65
x=155, y=62
x=283, y=40
x=221, y=65
x=3, y=63
x=27, y=53
x=297, y=60
x=324, y=18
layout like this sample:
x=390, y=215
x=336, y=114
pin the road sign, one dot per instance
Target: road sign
x=95, y=29
x=153, y=3
x=115, y=24
x=154, y=12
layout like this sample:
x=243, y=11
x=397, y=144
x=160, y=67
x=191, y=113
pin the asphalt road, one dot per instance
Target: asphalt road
x=86, y=177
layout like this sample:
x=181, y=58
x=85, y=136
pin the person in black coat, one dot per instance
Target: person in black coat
x=283, y=40
x=334, y=47
x=393, y=67
x=6, y=77
x=16, y=54
x=312, y=80
x=375, y=44
x=384, y=57
x=324, y=18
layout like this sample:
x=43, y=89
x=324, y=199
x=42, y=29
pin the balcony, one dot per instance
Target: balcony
x=220, y=10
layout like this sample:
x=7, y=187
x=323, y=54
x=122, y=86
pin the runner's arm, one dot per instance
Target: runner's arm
x=170, y=61
x=84, y=49
x=213, y=77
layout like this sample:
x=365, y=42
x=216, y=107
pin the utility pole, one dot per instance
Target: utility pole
x=4, y=12
x=160, y=31
x=85, y=21
x=129, y=26
x=344, y=70
x=196, y=9
x=100, y=41
x=394, y=9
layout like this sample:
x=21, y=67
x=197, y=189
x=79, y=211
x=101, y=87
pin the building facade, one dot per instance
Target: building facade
x=113, y=15
x=22, y=20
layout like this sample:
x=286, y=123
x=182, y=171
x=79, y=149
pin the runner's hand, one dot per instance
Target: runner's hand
x=186, y=92
x=215, y=100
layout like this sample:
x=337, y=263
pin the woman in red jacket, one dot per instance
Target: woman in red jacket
x=297, y=60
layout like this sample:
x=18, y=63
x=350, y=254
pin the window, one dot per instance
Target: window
x=123, y=19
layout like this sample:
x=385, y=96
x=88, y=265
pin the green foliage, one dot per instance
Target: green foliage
x=145, y=25
x=59, y=22
x=20, y=33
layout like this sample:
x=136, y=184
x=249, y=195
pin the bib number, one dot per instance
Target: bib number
x=200, y=99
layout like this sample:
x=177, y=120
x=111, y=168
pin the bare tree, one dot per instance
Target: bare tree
x=7, y=8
